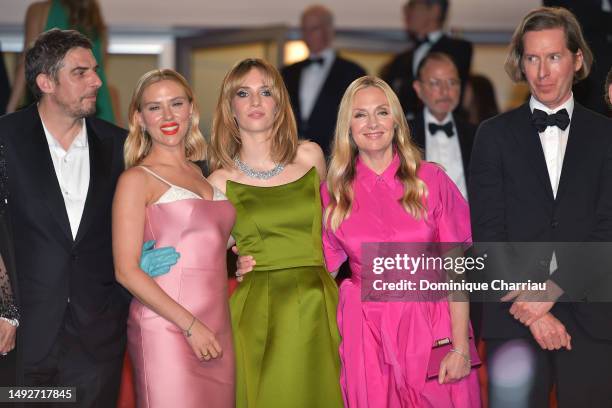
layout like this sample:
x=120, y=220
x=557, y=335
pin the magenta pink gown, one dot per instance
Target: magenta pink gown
x=167, y=373
x=386, y=345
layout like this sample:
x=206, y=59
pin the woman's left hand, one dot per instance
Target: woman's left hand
x=453, y=367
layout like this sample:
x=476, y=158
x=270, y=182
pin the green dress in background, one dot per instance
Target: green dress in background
x=284, y=312
x=58, y=18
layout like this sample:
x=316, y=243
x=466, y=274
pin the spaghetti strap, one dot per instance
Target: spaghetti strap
x=157, y=176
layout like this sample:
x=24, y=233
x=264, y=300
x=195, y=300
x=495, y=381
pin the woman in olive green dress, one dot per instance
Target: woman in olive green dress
x=284, y=312
x=81, y=15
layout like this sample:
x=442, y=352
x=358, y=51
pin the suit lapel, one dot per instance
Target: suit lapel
x=419, y=130
x=100, y=159
x=36, y=149
x=464, y=144
x=529, y=141
x=293, y=87
x=575, y=149
x=327, y=85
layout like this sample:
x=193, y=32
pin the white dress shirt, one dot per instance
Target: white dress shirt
x=72, y=172
x=444, y=150
x=312, y=79
x=421, y=51
x=554, y=141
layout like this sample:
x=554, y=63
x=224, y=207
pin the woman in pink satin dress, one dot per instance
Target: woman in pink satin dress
x=179, y=331
x=379, y=190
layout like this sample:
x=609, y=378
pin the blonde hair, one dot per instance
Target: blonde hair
x=546, y=18
x=138, y=143
x=341, y=171
x=225, y=140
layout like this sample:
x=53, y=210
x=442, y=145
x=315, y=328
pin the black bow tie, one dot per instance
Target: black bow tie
x=316, y=60
x=446, y=128
x=541, y=120
x=418, y=41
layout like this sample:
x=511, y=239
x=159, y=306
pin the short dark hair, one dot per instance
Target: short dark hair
x=607, y=88
x=434, y=56
x=47, y=54
x=429, y=3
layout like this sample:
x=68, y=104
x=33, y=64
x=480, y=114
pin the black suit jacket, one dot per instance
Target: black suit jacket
x=321, y=124
x=398, y=73
x=57, y=275
x=465, y=133
x=511, y=200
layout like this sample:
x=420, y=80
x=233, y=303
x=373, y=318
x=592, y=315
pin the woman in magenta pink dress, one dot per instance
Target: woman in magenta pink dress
x=381, y=191
x=179, y=331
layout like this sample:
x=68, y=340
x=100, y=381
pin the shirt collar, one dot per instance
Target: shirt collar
x=568, y=105
x=369, y=178
x=430, y=118
x=327, y=54
x=80, y=141
x=434, y=36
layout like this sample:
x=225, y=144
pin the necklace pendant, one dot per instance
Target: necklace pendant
x=258, y=174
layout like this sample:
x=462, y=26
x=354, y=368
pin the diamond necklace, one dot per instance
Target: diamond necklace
x=257, y=174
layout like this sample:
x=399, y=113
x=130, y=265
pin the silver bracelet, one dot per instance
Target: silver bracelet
x=465, y=357
x=12, y=322
x=187, y=332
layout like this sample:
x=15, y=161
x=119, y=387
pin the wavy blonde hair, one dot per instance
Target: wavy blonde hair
x=225, y=140
x=138, y=143
x=341, y=172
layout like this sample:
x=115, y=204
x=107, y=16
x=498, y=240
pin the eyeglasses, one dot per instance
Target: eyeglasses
x=438, y=84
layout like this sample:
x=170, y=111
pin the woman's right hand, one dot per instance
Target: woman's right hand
x=244, y=264
x=203, y=342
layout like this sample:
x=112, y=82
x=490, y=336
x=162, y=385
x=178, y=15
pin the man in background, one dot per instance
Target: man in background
x=424, y=21
x=445, y=138
x=316, y=85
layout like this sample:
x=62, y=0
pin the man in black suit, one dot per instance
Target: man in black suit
x=445, y=138
x=543, y=173
x=62, y=167
x=424, y=20
x=316, y=85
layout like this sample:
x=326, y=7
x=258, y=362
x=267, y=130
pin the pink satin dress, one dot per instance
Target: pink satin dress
x=167, y=373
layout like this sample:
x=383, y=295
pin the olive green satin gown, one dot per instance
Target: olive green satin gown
x=284, y=312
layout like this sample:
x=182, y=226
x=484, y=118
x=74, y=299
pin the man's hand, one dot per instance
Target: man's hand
x=529, y=306
x=7, y=337
x=550, y=333
x=157, y=261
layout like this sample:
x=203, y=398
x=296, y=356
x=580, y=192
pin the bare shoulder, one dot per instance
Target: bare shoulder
x=133, y=181
x=310, y=154
x=219, y=177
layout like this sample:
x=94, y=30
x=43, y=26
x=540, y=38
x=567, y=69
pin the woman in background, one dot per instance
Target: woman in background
x=179, y=332
x=81, y=15
x=479, y=101
x=379, y=190
x=283, y=313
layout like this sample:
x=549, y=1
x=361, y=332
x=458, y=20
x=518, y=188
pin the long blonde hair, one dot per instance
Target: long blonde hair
x=341, y=172
x=225, y=138
x=138, y=143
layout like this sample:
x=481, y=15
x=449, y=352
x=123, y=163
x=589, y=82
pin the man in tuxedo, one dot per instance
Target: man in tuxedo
x=445, y=138
x=62, y=166
x=424, y=20
x=543, y=173
x=317, y=84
